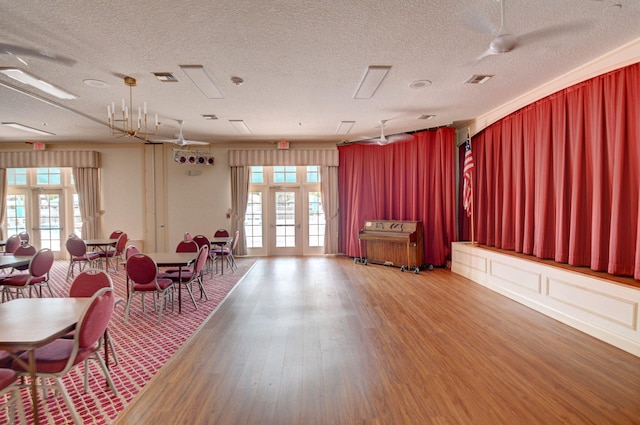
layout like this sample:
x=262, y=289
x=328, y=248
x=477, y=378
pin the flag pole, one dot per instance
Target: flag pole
x=473, y=240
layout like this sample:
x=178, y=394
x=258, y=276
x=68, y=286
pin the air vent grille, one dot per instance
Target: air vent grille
x=478, y=79
x=166, y=77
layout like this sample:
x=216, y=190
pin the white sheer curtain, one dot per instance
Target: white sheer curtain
x=87, y=182
x=3, y=198
x=239, y=198
x=329, y=193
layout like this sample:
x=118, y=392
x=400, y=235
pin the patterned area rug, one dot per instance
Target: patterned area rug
x=143, y=347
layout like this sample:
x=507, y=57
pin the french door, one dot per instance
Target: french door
x=47, y=218
x=285, y=237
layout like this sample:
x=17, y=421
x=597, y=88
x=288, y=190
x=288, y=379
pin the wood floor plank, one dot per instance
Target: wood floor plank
x=325, y=341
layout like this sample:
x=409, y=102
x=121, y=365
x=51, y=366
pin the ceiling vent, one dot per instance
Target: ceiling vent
x=425, y=117
x=166, y=77
x=478, y=79
x=210, y=116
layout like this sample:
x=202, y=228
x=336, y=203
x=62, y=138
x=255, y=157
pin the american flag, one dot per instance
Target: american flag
x=466, y=176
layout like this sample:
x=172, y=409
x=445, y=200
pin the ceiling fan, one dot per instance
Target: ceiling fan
x=180, y=140
x=18, y=52
x=384, y=140
x=503, y=41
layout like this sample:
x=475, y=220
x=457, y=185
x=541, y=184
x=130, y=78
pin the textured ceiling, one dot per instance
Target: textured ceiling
x=301, y=61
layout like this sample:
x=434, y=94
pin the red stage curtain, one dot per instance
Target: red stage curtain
x=412, y=181
x=559, y=178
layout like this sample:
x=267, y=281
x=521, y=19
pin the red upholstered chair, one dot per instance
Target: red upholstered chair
x=183, y=246
x=115, y=254
x=12, y=243
x=202, y=240
x=129, y=251
x=142, y=273
x=37, y=276
x=188, y=278
x=227, y=252
x=10, y=396
x=85, y=285
x=56, y=359
x=221, y=233
x=24, y=250
x=115, y=234
x=79, y=255
x=24, y=237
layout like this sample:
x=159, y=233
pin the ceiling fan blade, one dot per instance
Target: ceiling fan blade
x=477, y=20
x=193, y=142
x=18, y=51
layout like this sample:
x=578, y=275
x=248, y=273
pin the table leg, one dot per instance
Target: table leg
x=180, y=290
x=34, y=389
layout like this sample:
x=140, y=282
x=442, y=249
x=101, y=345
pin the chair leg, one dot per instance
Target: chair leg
x=105, y=371
x=190, y=289
x=60, y=388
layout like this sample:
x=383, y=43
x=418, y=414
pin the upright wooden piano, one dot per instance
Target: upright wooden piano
x=392, y=243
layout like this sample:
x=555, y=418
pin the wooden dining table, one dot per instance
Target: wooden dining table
x=11, y=260
x=175, y=259
x=103, y=244
x=29, y=323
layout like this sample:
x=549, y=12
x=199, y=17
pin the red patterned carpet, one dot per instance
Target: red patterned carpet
x=143, y=347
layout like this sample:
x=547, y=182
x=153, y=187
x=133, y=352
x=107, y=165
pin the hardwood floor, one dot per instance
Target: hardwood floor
x=304, y=341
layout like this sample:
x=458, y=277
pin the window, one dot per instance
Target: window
x=253, y=220
x=15, y=216
x=316, y=220
x=48, y=176
x=42, y=201
x=286, y=174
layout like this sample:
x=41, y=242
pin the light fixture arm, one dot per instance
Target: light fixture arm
x=140, y=129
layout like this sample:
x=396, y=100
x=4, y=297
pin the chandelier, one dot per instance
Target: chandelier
x=130, y=128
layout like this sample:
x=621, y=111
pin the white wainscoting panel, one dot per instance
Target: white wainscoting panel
x=605, y=309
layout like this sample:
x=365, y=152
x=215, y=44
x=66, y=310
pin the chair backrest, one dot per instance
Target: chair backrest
x=88, y=282
x=76, y=246
x=187, y=246
x=202, y=240
x=95, y=318
x=25, y=249
x=121, y=244
x=141, y=269
x=41, y=263
x=221, y=233
x=13, y=242
x=201, y=261
x=24, y=236
x=130, y=250
x=115, y=234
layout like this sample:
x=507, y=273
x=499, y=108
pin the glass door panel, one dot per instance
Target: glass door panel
x=48, y=215
x=286, y=236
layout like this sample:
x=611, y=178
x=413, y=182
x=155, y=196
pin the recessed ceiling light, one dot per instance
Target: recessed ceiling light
x=96, y=83
x=210, y=116
x=26, y=128
x=33, y=81
x=371, y=81
x=418, y=84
